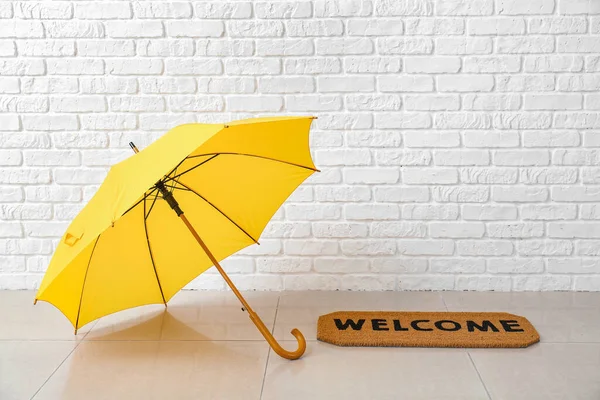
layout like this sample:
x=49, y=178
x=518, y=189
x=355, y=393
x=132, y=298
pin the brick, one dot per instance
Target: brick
x=482, y=212
x=193, y=66
x=465, y=83
x=159, y=9
x=405, y=194
x=378, y=27
x=103, y=10
x=368, y=212
x=491, y=139
x=343, y=46
x=463, y=46
x=520, y=194
x=75, y=66
x=484, y=248
x=74, y=29
x=544, y=247
x=548, y=176
x=404, y=8
x=404, y=45
x=369, y=65
x=282, y=47
x=316, y=28
x=22, y=67
x=21, y=29
x=577, y=44
x=456, y=194
x=413, y=83
x=432, y=103
x=431, y=65
x=516, y=120
x=578, y=7
x=50, y=122
x=463, y=121
x=497, y=64
x=9, y=123
x=370, y=102
x=283, y=10
x=434, y=26
x=312, y=66
x=456, y=229
x=496, y=26
x=342, y=8
x=416, y=247
x=553, y=102
x=110, y=48
x=43, y=10
x=108, y=85
x=431, y=139
x=524, y=83
x=475, y=175
x=525, y=45
x=557, y=25
x=515, y=7
x=555, y=138
x=135, y=29
x=257, y=29
x=78, y=104
x=223, y=10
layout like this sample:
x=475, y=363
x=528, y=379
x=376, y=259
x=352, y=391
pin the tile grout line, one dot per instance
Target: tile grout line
x=63, y=361
x=444, y=301
x=479, y=375
x=262, y=387
x=471, y=358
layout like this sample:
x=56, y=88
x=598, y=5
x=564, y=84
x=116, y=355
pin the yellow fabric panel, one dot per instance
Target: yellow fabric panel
x=262, y=184
x=65, y=291
x=285, y=139
x=120, y=274
x=177, y=255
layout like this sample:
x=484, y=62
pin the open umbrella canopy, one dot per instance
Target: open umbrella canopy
x=128, y=248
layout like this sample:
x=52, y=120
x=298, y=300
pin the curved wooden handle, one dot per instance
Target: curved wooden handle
x=290, y=355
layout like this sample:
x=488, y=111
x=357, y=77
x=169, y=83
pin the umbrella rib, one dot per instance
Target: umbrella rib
x=257, y=156
x=83, y=286
x=151, y=255
x=139, y=201
x=172, y=178
x=151, y=206
x=219, y=210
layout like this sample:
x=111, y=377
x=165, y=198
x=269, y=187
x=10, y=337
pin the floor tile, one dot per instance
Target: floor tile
x=21, y=320
x=191, y=315
x=558, y=317
x=302, y=309
x=159, y=370
x=544, y=371
x=331, y=372
x=25, y=366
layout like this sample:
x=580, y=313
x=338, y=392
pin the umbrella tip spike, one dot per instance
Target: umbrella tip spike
x=76, y=331
x=34, y=302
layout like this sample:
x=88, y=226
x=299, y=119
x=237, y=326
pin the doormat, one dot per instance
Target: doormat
x=426, y=329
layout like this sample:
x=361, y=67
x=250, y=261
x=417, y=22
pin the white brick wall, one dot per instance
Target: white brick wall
x=459, y=139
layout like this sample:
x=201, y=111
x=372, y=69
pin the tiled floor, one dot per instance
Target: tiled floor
x=204, y=347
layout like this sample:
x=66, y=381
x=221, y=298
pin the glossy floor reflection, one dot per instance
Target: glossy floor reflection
x=204, y=347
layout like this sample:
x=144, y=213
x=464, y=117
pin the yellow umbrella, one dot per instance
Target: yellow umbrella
x=127, y=247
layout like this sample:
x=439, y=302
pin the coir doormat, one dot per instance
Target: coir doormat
x=426, y=329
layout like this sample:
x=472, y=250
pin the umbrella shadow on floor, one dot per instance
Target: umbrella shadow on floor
x=108, y=366
x=145, y=327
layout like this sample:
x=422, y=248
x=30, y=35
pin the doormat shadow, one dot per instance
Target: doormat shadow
x=426, y=329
